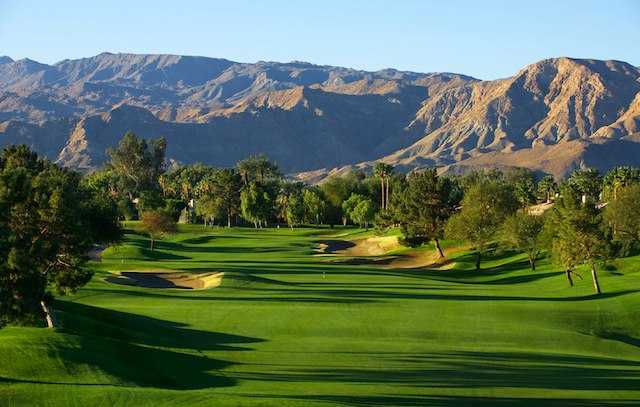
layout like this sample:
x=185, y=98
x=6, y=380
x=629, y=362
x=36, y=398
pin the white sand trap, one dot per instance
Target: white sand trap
x=373, y=246
x=427, y=259
x=167, y=279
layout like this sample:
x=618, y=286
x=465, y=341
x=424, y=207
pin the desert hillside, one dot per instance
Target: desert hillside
x=553, y=115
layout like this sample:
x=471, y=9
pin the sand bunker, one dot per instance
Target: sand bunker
x=425, y=259
x=330, y=247
x=168, y=279
x=372, y=246
x=370, y=250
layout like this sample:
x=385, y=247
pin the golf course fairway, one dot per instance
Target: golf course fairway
x=286, y=327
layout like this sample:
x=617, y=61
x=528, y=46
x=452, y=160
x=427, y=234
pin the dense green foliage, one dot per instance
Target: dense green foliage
x=524, y=232
x=578, y=235
x=48, y=222
x=622, y=215
x=485, y=206
x=423, y=206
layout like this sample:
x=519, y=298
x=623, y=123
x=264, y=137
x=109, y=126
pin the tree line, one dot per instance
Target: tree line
x=254, y=192
x=587, y=219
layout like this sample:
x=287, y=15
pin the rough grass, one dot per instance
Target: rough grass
x=288, y=328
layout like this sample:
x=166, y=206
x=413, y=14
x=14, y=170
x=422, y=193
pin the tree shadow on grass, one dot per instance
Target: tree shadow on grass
x=201, y=239
x=145, y=351
x=458, y=401
x=334, y=295
x=619, y=337
x=466, y=371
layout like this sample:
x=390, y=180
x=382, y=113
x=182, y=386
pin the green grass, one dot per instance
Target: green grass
x=287, y=329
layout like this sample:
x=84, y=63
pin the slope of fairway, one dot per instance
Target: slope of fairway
x=288, y=328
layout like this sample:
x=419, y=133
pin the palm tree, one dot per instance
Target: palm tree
x=383, y=171
x=619, y=178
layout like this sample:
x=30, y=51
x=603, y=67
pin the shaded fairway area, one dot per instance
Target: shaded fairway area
x=287, y=328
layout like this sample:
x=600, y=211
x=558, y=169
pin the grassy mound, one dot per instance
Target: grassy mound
x=288, y=328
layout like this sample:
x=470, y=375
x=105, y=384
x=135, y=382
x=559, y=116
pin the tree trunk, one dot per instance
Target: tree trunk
x=532, y=263
x=344, y=221
x=594, y=276
x=386, y=194
x=228, y=219
x=568, y=273
x=382, y=192
x=151, y=244
x=47, y=314
x=438, y=248
x=478, y=260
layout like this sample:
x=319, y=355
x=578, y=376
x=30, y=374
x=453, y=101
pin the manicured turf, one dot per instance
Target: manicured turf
x=285, y=328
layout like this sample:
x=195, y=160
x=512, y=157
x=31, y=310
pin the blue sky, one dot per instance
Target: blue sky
x=485, y=39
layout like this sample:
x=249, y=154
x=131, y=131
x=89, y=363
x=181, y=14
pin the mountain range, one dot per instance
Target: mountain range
x=552, y=116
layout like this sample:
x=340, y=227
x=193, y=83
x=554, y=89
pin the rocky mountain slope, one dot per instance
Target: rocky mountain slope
x=553, y=115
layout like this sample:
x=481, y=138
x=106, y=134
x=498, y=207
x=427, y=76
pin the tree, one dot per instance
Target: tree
x=208, y=207
x=314, y=206
x=363, y=213
x=484, y=207
x=623, y=215
x=337, y=190
x=523, y=232
x=137, y=163
x=547, y=187
x=350, y=204
x=257, y=168
x=295, y=210
x=383, y=171
x=181, y=183
x=222, y=189
x=618, y=178
x=102, y=182
x=48, y=222
x=586, y=183
x=157, y=224
x=423, y=207
x=255, y=203
x=577, y=235
x=523, y=183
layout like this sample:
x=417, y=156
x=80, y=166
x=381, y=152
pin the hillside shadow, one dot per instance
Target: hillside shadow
x=144, y=351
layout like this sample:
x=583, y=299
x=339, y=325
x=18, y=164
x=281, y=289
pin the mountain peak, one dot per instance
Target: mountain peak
x=5, y=59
